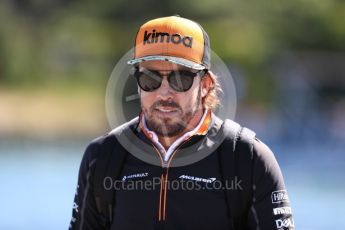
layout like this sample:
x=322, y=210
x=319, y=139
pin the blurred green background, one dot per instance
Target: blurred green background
x=58, y=54
x=287, y=59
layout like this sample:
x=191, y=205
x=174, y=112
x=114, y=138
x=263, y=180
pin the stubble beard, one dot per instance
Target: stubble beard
x=168, y=127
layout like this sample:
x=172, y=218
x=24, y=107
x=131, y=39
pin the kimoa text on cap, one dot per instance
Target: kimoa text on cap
x=153, y=37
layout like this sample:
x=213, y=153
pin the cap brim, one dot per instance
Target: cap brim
x=176, y=60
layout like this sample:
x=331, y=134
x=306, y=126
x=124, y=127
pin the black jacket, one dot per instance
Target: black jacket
x=187, y=197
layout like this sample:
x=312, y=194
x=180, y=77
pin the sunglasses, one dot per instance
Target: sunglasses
x=180, y=80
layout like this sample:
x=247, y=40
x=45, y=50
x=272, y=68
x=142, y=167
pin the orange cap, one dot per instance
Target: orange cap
x=175, y=39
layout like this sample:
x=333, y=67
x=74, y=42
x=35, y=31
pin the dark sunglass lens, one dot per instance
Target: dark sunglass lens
x=149, y=81
x=181, y=80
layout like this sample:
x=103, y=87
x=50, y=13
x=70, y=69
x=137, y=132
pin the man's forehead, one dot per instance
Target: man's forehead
x=161, y=65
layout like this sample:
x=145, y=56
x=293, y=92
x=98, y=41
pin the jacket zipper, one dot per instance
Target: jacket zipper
x=164, y=182
x=164, y=189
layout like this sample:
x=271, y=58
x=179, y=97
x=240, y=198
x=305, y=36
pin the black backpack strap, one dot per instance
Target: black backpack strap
x=236, y=166
x=108, y=169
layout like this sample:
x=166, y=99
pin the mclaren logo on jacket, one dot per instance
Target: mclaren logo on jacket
x=206, y=180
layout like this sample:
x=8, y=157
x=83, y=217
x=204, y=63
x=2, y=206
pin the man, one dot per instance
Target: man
x=186, y=144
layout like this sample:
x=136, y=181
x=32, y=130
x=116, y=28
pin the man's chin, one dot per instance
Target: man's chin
x=170, y=131
x=165, y=127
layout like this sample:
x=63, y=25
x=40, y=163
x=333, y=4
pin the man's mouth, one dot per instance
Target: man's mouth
x=166, y=109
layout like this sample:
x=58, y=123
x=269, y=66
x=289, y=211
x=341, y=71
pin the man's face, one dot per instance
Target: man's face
x=168, y=112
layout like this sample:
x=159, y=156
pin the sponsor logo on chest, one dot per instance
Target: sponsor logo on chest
x=136, y=175
x=205, y=180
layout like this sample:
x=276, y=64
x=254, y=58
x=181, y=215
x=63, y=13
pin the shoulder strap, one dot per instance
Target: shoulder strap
x=108, y=165
x=236, y=167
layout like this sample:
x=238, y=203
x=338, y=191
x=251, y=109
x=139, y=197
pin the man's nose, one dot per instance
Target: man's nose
x=164, y=89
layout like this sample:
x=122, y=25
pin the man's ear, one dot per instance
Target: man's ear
x=206, y=83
